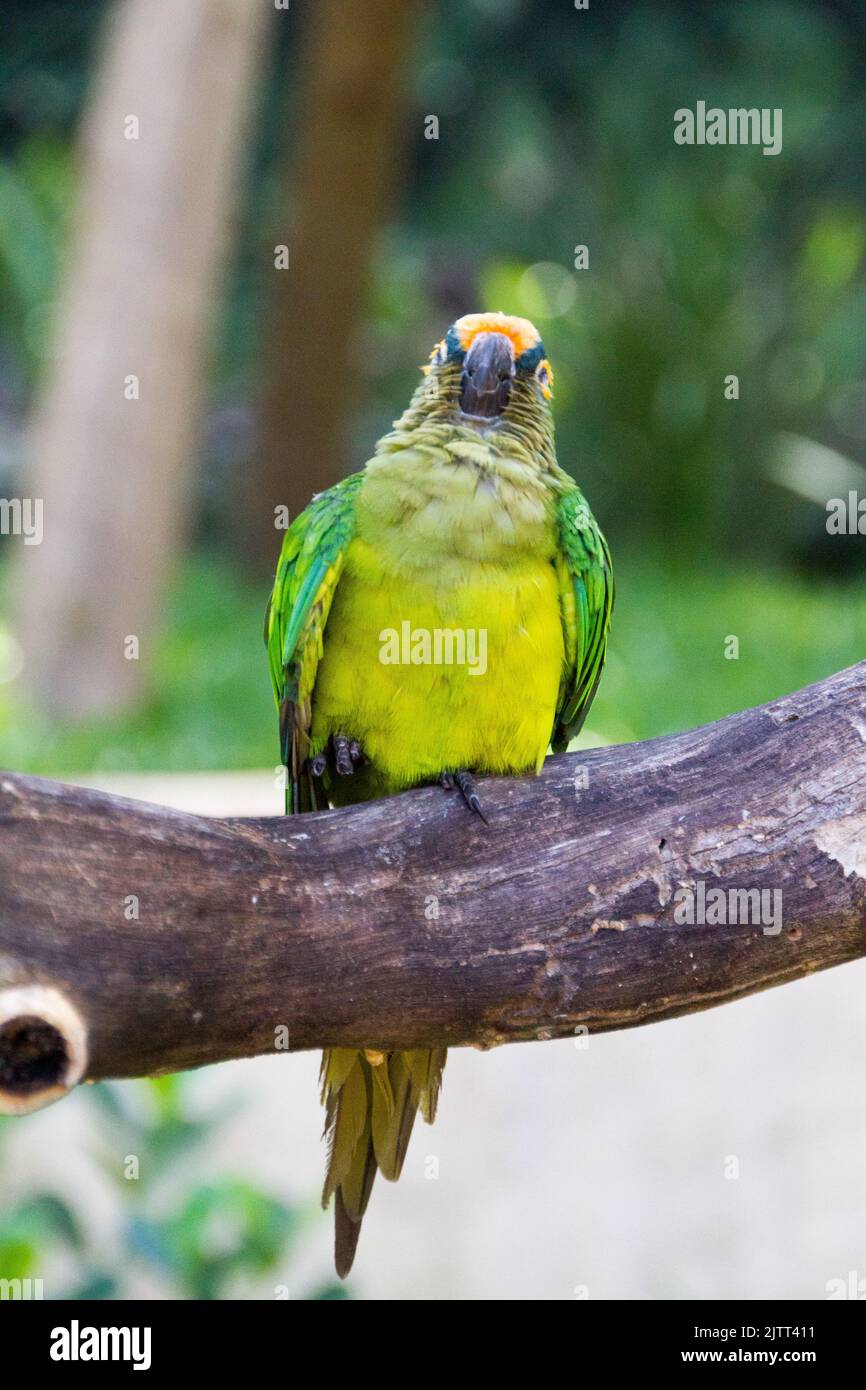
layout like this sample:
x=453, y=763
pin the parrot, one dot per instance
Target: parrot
x=462, y=525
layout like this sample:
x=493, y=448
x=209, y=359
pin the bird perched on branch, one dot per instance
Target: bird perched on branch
x=439, y=615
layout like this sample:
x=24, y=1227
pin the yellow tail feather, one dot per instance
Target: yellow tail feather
x=371, y=1100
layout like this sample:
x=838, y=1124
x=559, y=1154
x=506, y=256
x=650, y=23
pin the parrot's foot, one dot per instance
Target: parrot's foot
x=345, y=751
x=465, y=783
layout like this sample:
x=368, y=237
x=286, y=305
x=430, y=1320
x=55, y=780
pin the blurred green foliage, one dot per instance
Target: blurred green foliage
x=210, y=703
x=556, y=131
x=201, y=1240
x=34, y=203
x=33, y=1229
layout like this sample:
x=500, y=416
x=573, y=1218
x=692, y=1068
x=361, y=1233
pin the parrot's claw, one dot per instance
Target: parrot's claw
x=346, y=752
x=465, y=782
x=342, y=755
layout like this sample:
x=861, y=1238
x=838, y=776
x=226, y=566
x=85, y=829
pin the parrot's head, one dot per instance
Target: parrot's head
x=490, y=371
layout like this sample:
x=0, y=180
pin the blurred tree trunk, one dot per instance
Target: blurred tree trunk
x=115, y=431
x=352, y=124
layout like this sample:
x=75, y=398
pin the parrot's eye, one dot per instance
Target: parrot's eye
x=544, y=377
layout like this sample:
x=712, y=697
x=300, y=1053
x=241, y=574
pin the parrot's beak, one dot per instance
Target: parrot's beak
x=488, y=371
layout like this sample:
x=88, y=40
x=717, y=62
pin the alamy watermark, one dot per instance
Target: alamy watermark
x=77, y=1343
x=847, y=516
x=438, y=646
x=852, y=1287
x=698, y=905
x=22, y=516
x=21, y=1290
x=737, y=126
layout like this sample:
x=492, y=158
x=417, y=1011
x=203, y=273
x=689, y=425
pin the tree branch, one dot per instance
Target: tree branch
x=409, y=922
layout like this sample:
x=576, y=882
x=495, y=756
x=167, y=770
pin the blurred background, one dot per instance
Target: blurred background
x=230, y=232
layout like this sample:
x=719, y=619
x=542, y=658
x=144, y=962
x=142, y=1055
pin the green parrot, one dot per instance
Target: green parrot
x=443, y=613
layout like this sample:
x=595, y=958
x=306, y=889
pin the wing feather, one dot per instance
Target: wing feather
x=586, y=591
x=309, y=569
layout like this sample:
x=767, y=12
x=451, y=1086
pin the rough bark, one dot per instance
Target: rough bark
x=409, y=922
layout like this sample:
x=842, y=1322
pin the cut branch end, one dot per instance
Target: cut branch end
x=43, y=1048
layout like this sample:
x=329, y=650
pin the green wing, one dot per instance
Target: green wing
x=586, y=594
x=309, y=569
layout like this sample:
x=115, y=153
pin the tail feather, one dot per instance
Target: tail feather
x=355, y=1189
x=391, y=1135
x=370, y=1110
x=426, y=1066
x=346, y=1233
x=346, y=1122
x=350, y=1203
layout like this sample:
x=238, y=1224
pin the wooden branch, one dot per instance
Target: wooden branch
x=408, y=922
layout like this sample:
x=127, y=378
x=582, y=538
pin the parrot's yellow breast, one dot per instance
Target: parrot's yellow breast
x=444, y=648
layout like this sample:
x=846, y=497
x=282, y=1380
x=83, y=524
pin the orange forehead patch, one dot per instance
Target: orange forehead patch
x=521, y=332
